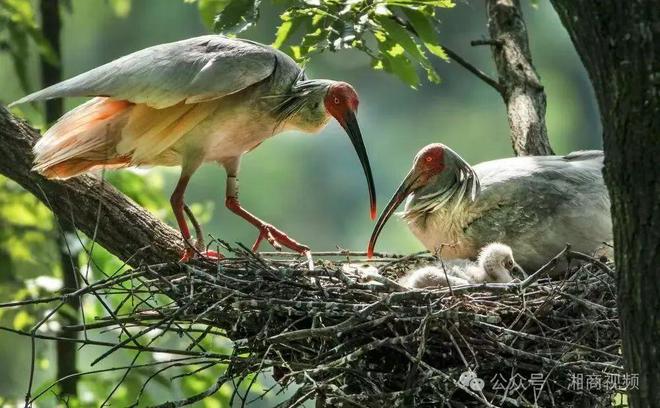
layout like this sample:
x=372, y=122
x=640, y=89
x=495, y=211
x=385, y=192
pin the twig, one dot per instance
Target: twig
x=343, y=342
x=474, y=70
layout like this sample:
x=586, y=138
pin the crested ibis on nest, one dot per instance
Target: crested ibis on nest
x=494, y=264
x=534, y=204
x=208, y=98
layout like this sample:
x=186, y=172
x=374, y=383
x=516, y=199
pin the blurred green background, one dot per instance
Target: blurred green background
x=311, y=186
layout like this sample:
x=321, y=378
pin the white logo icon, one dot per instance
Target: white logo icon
x=469, y=379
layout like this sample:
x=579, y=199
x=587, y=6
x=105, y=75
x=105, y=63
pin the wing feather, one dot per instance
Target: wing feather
x=149, y=131
x=190, y=71
x=563, y=196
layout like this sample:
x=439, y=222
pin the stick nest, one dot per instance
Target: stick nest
x=343, y=342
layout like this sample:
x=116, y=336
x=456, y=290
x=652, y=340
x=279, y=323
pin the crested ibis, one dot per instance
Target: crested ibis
x=495, y=264
x=208, y=98
x=534, y=204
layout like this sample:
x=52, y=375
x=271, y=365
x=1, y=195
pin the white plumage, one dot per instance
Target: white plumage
x=534, y=204
x=208, y=98
x=495, y=264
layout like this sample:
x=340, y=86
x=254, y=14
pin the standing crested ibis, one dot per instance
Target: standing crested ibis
x=534, y=204
x=208, y=98
x=495, y=264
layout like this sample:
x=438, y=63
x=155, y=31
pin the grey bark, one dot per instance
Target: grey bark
x=91, y=204
x=619, y=44
x=520, y=85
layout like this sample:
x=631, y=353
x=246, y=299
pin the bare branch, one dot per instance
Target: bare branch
x=522, y=90
x=342, y=342
x=476, y=71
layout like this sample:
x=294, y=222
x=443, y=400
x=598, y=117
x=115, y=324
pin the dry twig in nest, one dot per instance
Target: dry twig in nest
x=345, y=343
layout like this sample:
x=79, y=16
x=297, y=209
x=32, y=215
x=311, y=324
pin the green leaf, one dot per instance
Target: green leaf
x=121, y=8
x=402, y=67
x=237, y=16
x=394, y=60
x=312, y=39
x=395, y=31
x=283, y=33
x=288, y=27
x=417, y=3
x=402, y=37
x=209, y=9
x=423, y=26
x=19, y=11
x=22, y=320
x=20, y=21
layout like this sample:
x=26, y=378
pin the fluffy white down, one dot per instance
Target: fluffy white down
x=491, y=266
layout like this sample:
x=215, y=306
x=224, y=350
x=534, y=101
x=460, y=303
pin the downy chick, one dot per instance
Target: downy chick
x=494, y=264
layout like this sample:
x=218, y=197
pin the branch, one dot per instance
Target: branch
x=476, y=71
x=345, y=343
x=123, y=228
x=522, y=90
x=457, y=58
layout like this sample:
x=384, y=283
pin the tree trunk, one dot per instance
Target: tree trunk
x=52, y=74
x=521, y=87
x=618, y=42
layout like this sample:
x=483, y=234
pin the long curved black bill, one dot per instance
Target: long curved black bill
x=351, y=127
x=401, y=193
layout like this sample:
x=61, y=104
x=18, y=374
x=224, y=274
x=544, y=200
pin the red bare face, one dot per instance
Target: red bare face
x=430, y=161
x=341, y=99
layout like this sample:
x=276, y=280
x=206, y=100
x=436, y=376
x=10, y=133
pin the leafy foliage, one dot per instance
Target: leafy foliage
x=18, y=26
x=398, y=35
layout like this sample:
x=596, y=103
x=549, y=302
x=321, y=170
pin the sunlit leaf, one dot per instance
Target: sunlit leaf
x=237, y=16
x=402, y=37
x=121, y=8
x=423, y=26
x=432, y=3
x=44, y=363
x=23, y=320
x=284, y=31
x=395, y=61
x=209, y=9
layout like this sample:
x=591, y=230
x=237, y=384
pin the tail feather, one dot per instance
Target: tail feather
x=83, y=139
x=76, y=167
x=105, y=132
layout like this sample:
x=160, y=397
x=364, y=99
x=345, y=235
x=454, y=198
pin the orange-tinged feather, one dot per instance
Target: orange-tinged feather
x=104, y=132
x=75, y=167
x=150, y=131
x=81, y=139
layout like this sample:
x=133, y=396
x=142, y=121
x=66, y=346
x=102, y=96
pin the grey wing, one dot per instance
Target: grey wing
x=538, y=204
x=192, y=70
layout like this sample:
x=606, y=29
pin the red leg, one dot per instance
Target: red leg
x=274, y=236
x=200, y=247
x=178, y=205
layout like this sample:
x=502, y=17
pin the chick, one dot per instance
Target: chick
x=494, y=264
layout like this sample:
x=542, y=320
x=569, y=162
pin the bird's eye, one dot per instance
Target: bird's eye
x=336, y=101
x=508, y=264
x=429, y=159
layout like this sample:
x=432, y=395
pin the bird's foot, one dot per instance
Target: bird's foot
x=190, y=254
x=278, y=239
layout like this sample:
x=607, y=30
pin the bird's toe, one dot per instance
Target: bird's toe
x=278, y=239
x=192, y=254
